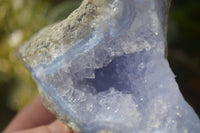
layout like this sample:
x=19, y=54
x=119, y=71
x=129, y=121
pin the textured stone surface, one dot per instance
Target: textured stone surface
x=103, y=70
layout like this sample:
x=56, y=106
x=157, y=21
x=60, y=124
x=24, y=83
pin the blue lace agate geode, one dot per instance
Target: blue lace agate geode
x=103, y=69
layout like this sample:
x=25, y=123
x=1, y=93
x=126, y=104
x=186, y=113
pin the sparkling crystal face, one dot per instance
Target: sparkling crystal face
x=103, y=70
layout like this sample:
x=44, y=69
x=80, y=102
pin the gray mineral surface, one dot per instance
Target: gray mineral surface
x=104, y=69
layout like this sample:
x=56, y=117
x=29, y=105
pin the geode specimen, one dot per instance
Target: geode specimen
x=103, y=69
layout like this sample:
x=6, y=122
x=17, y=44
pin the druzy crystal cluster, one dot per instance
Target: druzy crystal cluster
x=104, y=69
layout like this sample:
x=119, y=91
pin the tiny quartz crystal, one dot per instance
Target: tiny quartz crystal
x=104, y=69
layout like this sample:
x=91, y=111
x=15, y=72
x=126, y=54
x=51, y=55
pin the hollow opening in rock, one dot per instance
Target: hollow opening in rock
x=119, y=74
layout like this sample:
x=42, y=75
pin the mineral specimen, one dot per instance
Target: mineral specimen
x=103, y=69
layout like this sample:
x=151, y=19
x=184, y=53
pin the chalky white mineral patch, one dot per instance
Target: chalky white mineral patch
x=103, y=69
